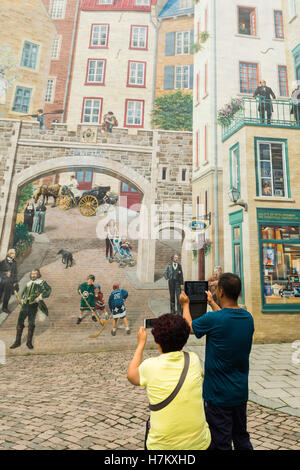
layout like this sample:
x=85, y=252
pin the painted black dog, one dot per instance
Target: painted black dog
x=67, y=258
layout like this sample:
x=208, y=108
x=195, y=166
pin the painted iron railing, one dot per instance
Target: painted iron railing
x=261, y=112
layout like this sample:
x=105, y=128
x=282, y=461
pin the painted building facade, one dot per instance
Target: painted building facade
x=241, y=44
x=64, y=14
x=291, y=25
x=114, y=67
x=257, y=160
x=174, y=65
x=28, y=48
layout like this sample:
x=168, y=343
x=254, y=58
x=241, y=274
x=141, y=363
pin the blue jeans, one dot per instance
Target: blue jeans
x=227, y=426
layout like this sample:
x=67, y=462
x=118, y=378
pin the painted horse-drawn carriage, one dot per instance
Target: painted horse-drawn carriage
x=87, y=203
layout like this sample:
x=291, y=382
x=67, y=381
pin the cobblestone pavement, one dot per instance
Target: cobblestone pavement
x=84, y=401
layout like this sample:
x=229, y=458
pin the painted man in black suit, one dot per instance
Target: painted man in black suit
x=173, y=274
x=8, y=278
x=265, y=95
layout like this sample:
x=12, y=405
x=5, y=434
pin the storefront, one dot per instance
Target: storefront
x=279, y=246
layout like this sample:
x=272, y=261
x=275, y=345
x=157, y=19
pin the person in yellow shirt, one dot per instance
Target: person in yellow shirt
x=181, y=425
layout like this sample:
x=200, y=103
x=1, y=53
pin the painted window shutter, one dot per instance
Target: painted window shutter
x=191, y=76
x=191, y=41
x=170, y=44
x=169, y=77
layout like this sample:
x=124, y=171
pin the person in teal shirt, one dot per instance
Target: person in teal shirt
x=229, y=330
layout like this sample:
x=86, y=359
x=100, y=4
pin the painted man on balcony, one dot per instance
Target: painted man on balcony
x=265, y=95
x=296, y=104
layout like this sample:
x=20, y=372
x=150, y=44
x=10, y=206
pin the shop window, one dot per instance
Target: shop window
x=280, y=265
x=247, y=21
x=272, y=169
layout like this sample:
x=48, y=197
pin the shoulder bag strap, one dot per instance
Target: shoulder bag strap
x=161, y=405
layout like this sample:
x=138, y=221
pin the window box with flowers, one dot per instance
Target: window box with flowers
x=227, y=114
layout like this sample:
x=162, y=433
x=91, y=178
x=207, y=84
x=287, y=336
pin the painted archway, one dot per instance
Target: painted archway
x=146, y=246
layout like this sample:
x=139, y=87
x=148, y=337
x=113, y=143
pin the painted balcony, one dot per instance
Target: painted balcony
x=285, y=114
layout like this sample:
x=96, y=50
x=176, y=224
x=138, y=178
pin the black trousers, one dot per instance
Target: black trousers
x=265, y=108
x=109, y=247
x=6, y=290
x=174, y=289
x=228, y=426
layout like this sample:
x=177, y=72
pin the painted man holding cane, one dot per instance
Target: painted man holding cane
x=173, y=274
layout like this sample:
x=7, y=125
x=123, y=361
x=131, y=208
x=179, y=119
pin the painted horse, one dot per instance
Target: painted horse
x=46, y=191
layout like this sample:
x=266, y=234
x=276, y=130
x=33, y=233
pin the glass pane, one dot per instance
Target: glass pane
x=88, y=176
x=236, y=233
x=281, y=273
x=237, y=259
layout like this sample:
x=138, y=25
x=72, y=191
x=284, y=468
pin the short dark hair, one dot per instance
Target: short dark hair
x=231, y=285
x=171, y=332
x=38, y=271
x=91, y=276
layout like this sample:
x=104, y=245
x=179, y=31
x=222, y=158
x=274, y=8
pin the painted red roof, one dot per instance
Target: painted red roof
x=116, y=5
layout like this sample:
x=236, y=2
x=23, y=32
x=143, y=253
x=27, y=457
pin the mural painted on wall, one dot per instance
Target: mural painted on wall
x=72, y=236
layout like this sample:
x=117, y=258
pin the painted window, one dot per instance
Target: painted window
x=55, y=51
x=142, y=2
x=95, y=71
x=272, y=169
x=247, y=21
x=134, y=116
x=91, y=110
x=105, y=2
x=249, y=77
x=183, y=42
x=283, y=80
x=234, y=162
x=296, y=56
x=49, y=97
x=139, y=37
x=22, y=99
x=278, y=22
x=185, y=4
x=236, y=220
x=182, y=76
x=136, y=73
x=292, y=8
x=57, y=9
x=197, y=140
x=29, y=55
x=164, y=173
x=179, y=43
x=279, y=259
x=99, y=35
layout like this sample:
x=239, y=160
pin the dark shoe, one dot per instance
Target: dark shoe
x=5, y=309
x=17, y=342
x=94, y=318
x=30, y=336
x=79, y=320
